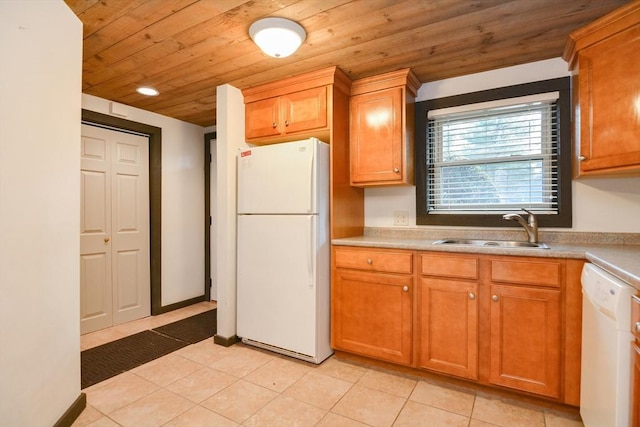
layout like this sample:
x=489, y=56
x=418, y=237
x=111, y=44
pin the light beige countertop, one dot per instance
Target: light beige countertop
x=617, y=253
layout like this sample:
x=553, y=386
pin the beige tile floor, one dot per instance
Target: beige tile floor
x=209, y=385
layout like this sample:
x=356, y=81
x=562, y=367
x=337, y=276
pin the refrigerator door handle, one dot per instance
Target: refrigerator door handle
x=312, y=179
x=311, y=245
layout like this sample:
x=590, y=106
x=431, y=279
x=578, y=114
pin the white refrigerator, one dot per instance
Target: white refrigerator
x=284, y=249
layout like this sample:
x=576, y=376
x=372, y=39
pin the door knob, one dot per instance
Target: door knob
x=396, y=170
x=472, y=295
x=405, y=288
x=106, y=240
x=495, y=298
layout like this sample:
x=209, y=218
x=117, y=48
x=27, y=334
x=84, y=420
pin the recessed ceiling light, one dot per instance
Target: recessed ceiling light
x=149, y=91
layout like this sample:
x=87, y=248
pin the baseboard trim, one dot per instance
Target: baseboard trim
x=73, y=412
x=225, y=341
x=177, y=305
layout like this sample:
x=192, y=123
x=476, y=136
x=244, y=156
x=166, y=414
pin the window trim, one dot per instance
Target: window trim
x=564, y=217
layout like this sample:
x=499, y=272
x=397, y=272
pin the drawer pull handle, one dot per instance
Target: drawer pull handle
x=396, y=170
x=405, y=288
x=274, y=125
x=286, y=122
x=369, y=261
x=472, y=295
x=495, y=298
x=637, y=327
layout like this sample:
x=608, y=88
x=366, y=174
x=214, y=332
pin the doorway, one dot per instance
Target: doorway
x=210, y=161
x=114, y=236
x=155, y=196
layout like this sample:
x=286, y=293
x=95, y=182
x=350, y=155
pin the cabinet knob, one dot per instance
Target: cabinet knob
x=637, y=327
x=405, y=288
x=106, y=240
x=369, y=261
x=495, y=298
x=286, y=122
x=582, y=158
x=274, y=125
x=396, y=170
x=472, y=295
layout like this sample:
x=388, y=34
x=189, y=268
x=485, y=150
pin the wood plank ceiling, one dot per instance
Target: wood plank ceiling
x=186, y=48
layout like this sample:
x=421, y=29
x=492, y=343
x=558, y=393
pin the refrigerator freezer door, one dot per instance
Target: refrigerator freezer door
x=278, y=178
x=277, y=281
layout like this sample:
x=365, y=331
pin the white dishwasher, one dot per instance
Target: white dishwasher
x=606, y=349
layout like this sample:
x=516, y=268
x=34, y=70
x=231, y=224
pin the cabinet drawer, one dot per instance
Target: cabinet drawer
x=537, y=273
x=371, y=260
x=449, y=266
x=635, y=317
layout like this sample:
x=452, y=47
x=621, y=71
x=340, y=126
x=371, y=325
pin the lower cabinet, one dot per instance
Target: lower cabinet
x=525, y=323
x=503, y=321
x=448, y=327
x=372, y=311
x=525, y=339
x=447, y=315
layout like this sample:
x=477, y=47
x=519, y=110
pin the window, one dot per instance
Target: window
x=488, y=153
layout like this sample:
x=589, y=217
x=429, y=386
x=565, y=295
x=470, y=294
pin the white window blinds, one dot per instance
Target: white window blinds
x=494, y=157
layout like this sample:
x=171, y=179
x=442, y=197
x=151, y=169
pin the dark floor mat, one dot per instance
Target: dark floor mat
x=113, y=358
x=192, y=329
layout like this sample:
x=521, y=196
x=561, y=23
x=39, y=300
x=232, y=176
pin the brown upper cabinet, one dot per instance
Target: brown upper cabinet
x=606, y=88
x=381, y=129
x=294, y=108
x=288, y=114
x=314, y=104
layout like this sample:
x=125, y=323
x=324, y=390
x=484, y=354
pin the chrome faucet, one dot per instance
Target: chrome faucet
x=530, y=226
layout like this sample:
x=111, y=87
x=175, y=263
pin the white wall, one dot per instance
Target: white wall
x=40, y=84
x=599, y=204
x=230, y=140
x=182, y=199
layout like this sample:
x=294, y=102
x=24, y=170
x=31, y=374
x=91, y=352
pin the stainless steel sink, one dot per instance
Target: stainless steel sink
x=492, y=243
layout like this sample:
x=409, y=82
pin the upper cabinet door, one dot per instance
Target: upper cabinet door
x=376, y=136
x=381, y=129
x=305, y=110
x=280, y=117
x=606, y=66
x=262, y=118
x=609, y=91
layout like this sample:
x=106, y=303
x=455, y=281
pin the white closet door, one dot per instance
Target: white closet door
x=114, y=235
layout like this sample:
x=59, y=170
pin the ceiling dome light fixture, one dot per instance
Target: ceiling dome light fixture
x=149, y=91
x=277, y=37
